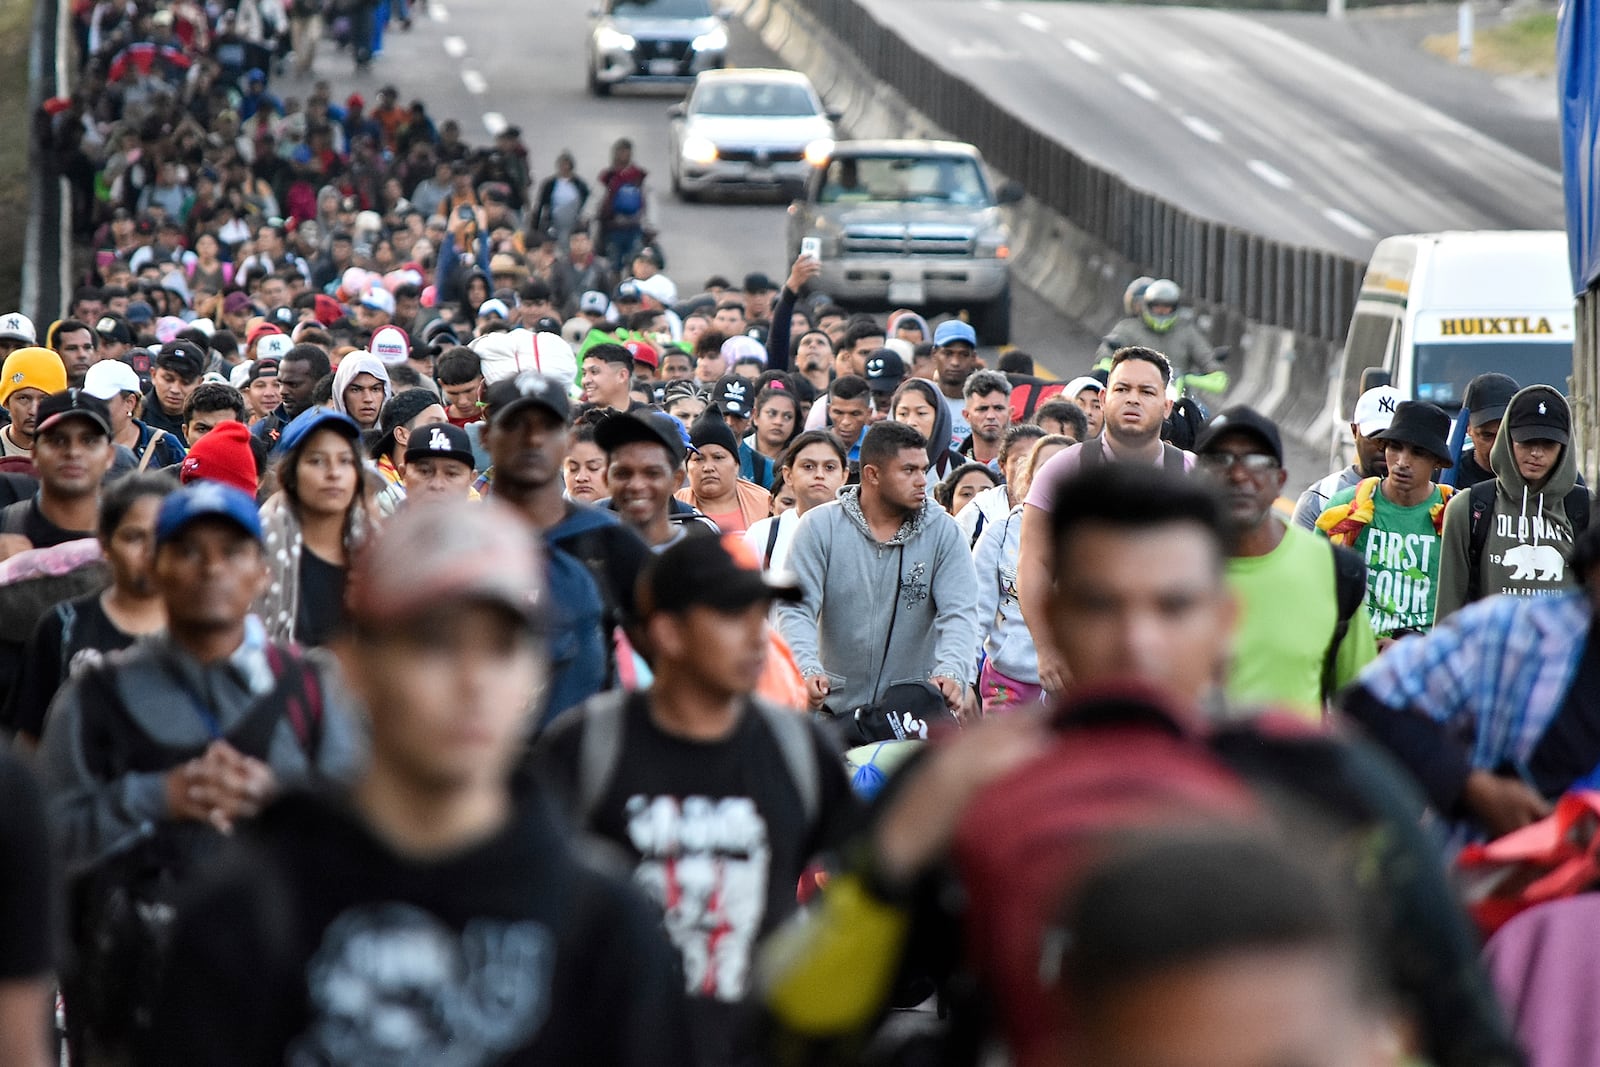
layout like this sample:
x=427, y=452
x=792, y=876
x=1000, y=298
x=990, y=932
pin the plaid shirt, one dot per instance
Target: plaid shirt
x=1494, y=674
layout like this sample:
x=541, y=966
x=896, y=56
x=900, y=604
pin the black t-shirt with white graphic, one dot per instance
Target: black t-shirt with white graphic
x=316, y=943
x=716, y=835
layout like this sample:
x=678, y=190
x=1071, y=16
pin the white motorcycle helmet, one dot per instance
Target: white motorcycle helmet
x=1163, y=293
x=1133, y=295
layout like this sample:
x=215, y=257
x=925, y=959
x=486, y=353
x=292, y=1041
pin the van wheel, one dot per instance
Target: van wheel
x=596, y=86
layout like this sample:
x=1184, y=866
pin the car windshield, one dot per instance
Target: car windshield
x=913, y=179
x=661, y=9
x=1443, y=370
x=772, y=100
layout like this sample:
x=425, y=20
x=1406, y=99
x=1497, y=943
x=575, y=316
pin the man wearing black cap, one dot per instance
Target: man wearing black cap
x=115, y=336
x=645, y=455
x=1514, y=534
x=1395, y=522
x=1302, y=633
x=400, y=415
x=734, y=396
x=526, y=434
x=71, y=452
x=438, y=459
x=885, y=371
x=718, y=799
x=173, y=376
x=758, y=292
x=1486, y=400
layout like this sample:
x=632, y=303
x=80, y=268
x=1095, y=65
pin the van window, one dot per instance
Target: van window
x=1371, y=339
x=1443, y=368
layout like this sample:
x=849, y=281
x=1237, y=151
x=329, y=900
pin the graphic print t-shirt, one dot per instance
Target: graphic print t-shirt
x=1401, y=548
x=717, y=837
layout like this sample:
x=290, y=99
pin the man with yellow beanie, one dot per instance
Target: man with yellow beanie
x=27, y=377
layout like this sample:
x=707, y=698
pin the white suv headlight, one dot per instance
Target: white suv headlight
x=699, y=150
x=711, y=41
x=611, y=40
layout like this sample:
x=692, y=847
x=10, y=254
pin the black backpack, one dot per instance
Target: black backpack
x=1575, y=504
x=121, y=904
x=1184, y=426
x=1350, y=588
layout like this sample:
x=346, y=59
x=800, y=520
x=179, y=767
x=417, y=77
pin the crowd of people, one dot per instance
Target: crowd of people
x=430, y=633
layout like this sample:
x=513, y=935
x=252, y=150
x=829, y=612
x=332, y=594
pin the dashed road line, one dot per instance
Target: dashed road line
x=1270, y=174
x=1081, y=50
x=1348, y=223
x=1202, y=129
x=474, y=82
x=454, y=47
x=1033, y=22
x=1138, y=86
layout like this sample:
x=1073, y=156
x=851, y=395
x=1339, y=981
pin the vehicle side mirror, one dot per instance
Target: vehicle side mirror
x=677, y=111
x=1373, y=377
x=1011, y=193
x=835, y=114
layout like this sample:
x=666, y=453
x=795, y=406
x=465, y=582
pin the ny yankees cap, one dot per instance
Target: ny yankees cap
x=1375, y=410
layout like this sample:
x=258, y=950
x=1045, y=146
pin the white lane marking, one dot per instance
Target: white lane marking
x=1270, y=174
x=438, y=12
x=1282, y=42
x=1033, y=22
x=454, y=47
x=1348, y=223
x=494, y=122
x=1202, y=129
x=1081, y=50
x=1138, y=86
x=474, y=82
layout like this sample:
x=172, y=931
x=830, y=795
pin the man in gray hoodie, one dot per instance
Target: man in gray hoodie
x=851, y=636
x=1514, y=533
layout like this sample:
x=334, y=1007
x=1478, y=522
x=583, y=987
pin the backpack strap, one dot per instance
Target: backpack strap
x=792, y=733
x=599, y=750
x=772, y=541
x=300, y=691
x=1349, y=588
x=1481, y=500
x=1577, y=507
x=1171, y=457
x=14, y=517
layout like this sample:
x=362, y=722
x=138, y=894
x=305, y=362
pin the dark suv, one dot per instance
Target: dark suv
x=654, y=41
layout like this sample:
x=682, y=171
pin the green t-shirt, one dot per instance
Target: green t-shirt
x=1288, y=606
x=1401, y=548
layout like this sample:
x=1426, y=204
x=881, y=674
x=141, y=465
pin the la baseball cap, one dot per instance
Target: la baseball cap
x=110, y=378
x=442, y=440
x=206, y=500
x=954, y=331
x=73, y=404
x=718, y=571
x=1375, y=410
x=427, y=555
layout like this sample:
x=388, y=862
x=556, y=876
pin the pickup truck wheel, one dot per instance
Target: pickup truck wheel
x=596, y=86
x=992, y=321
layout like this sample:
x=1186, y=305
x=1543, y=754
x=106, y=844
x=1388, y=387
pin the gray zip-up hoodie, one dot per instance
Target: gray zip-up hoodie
x=1529, y=546
x=841, y=626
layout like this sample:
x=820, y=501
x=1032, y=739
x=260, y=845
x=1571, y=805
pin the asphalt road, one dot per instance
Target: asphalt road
x=489, y=62
x=1236, y=119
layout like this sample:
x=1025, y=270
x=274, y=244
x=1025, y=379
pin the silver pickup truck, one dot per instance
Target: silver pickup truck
x=911, y=224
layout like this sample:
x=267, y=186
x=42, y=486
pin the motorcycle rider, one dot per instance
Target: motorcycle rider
x=1159, y=325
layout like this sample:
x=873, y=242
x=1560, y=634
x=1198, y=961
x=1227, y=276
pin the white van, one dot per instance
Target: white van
x=1438, y=309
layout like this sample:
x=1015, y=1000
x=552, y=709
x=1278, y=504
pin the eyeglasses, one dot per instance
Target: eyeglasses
x=1254, y=463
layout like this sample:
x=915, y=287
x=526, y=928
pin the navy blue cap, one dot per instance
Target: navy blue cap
x=313, y=419
x=206, y=500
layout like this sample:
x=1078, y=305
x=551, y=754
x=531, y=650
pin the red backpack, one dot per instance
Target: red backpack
x=1125, y=760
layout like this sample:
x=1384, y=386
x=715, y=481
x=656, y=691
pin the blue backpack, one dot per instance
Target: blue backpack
x=628, y=199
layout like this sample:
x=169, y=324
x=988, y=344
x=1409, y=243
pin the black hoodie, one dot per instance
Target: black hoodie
x=316, y=943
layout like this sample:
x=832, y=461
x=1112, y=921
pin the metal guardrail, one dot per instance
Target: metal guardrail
x=1309, y=291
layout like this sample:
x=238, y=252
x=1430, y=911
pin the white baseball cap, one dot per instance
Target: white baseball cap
x=1375, y=410
x=17, y=327
x=659, y=288
x=110, y=378
x=378, y=300
x=494, y=307
x=274, y=346
x=389, y=344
